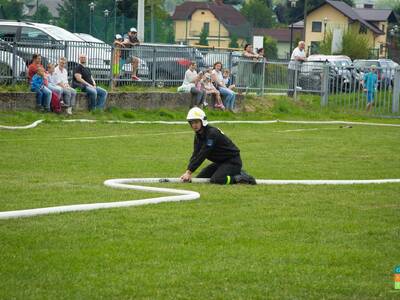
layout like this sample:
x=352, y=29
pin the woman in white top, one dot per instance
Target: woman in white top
x=191, y=83
x=69, y=94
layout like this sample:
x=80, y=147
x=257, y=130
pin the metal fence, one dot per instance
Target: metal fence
x=340, y=88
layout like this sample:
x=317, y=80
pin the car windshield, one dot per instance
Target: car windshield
x=62, y=34
x=366, y=63
x=341, y=63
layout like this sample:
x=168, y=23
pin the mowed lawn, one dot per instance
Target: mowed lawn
x=236, y=242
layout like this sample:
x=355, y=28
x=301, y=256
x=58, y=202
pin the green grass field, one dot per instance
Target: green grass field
x=236, y=242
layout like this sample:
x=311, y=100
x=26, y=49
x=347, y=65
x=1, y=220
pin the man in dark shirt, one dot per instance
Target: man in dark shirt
x=129, y=42
x=83, y=79
x=210, y=143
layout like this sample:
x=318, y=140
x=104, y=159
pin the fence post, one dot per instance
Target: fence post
x=296, y=72
x=112, y=79
x=263, y=78
x=14, y=54
x=396, y=91
x=325, y=86
x=153, y=67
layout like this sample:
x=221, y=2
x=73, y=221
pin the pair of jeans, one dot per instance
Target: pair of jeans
x=97, y=97
x=199, y=94
x=69, y=96
x=229, y=97
x=43, y=97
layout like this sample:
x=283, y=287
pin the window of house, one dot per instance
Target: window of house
x=368, y=6
x=206, y=26
x=363, y=29
x=383, y=27
x=316, y=26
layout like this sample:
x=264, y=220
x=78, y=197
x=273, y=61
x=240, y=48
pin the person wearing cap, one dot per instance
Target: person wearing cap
x=129, y=42
x=370, y=83
x=212, y=144
x=118, y=44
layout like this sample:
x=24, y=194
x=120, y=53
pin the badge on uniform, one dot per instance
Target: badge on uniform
x=210, y=143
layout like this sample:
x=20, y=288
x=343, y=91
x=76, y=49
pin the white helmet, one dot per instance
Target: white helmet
x=197, y=114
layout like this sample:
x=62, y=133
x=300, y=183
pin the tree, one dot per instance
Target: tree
x=11, y=10
x=234, y=41
x=42, y=15
x=203, y=37
x=258, y=13
x=270, y=47
x=354, y=45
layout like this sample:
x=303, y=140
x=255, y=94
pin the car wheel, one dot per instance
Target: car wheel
x=5, y=74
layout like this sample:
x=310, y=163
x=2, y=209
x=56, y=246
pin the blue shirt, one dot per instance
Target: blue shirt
x=37, y=82
x=370, y=81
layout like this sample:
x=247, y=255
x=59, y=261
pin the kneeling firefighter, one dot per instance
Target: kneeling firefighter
x=210, y=143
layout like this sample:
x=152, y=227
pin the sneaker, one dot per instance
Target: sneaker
x=135, y=78
x=62, y=103
x=205, y=104
x=69, y=111
x=244, y=178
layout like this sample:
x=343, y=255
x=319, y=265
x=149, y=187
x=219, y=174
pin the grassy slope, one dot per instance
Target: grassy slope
x=236, y=242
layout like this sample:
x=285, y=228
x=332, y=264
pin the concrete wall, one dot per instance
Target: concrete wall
x=155, y=100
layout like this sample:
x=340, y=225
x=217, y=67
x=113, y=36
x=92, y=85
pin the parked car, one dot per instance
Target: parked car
x=388, y=68
x=52, y=42
x=11, y=66
x=311, y=77
x=170, y=61
x=342, y=66
x=361, y=66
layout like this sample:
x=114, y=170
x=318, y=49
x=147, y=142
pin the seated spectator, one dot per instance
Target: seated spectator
x=190, y=84
x=129, y=42
x=228, y=95
x=228, y=79
x=83, y=79
x=34, y=65
x=68, y=93
x=52, y=82
x=43, y=94
x=210, y=88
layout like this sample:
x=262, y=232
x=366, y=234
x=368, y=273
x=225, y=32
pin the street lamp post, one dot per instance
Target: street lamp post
x=292, y=4
x=106, y=13
x=115, y=16
x=74, y=15
x=325, y=22
x=91, y=8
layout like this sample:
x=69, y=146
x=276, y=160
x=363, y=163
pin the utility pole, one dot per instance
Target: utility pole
x=140, y=20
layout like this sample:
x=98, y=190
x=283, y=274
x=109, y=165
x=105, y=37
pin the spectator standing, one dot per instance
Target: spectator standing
x=191, y=84
x=370, y=82
x=34, y=65
x=228, y=95
x=298, y=56
x=68, y=93
x=131, y=41
x=118, y=44
x=43, y=94
x=83, y=79
x=246, y=64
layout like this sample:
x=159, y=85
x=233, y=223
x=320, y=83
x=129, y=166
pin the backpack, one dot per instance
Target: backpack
x=55, y=104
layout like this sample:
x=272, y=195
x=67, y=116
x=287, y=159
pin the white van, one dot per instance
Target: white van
x=53, y=42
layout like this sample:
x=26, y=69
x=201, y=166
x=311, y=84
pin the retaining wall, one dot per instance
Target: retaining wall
x=147, y=100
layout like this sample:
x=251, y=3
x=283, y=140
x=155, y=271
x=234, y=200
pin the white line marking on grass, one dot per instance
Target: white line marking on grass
x=97, y=137
x=183, y=195
x=305, y=129
x=36, y=123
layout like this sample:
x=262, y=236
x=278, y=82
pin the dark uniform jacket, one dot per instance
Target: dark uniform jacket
x=213, y=145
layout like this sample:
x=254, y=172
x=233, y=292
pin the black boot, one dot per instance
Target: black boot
x=244, y=178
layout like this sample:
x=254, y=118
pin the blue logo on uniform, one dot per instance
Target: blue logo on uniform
x=210, y=142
